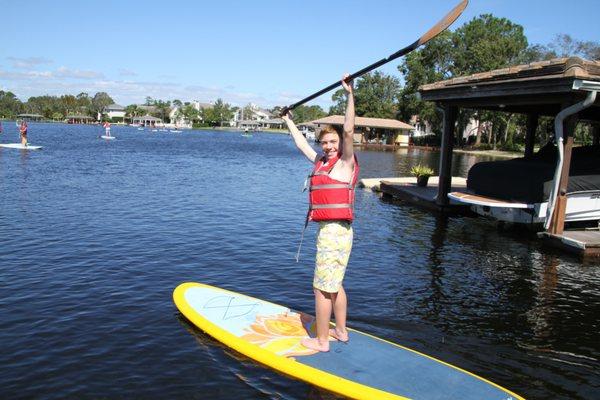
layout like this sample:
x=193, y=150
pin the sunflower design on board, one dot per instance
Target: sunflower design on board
x=281, y=333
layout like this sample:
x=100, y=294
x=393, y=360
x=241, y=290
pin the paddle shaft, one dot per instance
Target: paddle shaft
x=441, y=26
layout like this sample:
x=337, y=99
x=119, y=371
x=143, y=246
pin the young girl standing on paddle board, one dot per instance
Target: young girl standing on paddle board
x=331, y=194
x=23, y=132
x=107, y=128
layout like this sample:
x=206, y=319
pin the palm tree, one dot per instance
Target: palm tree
x=163, y=108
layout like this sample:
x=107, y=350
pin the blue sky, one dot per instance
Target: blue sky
x=266, y=52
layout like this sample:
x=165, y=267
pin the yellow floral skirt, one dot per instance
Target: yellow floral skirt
x=334, y=244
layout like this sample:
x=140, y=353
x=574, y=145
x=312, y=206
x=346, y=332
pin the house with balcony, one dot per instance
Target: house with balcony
x=115, y=112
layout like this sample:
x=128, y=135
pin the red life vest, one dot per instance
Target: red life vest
x=329, y=198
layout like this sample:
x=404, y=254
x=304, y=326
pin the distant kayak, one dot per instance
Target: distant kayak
x=19, y=146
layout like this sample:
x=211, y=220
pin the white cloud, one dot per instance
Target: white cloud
x=26, y=84
x=64, y=72
x=126, y=72
x=27, y=63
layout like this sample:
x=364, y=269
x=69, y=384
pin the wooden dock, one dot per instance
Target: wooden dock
x=581, y=242
x=406, y=189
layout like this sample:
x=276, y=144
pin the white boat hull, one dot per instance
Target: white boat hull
x=581, y=206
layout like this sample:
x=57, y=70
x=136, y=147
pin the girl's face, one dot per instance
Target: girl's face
x=330, y=143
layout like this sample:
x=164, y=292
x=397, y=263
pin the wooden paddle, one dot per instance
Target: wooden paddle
x=430, y=34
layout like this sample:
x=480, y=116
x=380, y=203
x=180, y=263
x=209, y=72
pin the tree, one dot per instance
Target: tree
x=132, y=111
x=10, y=105
x=188, y=113
x=486, y=43
x=68, y=104
x=277, y=110
x=100, y=101
x=305, y=113
x=482, y=44
x=210, y=116
x=223, y=111
x=375, y=96
x=217, y=114
x=44, y=105
x=84, y=103
x=163, y=108
x=563, y=45
x=432, y=63
x=247, y=112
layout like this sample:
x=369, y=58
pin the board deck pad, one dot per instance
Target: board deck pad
x=364, y=367
x=19, y=146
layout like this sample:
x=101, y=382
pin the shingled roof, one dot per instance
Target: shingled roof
x=366, y=122
x=573, y=67
x=541, y=87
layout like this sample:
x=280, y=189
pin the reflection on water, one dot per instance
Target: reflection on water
x=95, y=235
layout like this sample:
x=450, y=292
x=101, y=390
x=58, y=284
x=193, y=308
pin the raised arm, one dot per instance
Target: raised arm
x=300, y=140
x=348, y=142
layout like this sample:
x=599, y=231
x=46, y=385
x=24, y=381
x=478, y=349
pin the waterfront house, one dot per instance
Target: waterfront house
x=424, y=128
x=114, y=112
x=380, y=131
x=180, y=121
x=253, y=116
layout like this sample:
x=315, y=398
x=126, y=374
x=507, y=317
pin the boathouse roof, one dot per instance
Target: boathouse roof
x=366, y=122
x=147, y=118
x=78, y=116
x=30, y=116
x=540, y=87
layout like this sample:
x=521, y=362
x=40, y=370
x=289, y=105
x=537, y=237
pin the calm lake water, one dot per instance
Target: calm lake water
x=95, y=235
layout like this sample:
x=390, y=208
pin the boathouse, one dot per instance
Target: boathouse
x=30, y=117
x=545, y=184
x=147, y=120
x=379, y=131
x=79, y=119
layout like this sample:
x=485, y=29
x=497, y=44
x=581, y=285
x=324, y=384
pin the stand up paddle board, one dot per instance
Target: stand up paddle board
x=108, y=137
x=364, y=368
x=19, y=146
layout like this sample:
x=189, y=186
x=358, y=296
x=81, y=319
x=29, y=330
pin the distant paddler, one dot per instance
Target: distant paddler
x=107, y=128
x=107, y=135
x=23, y=133
x=0, y=127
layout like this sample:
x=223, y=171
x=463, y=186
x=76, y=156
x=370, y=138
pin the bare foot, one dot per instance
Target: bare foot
x=315, y=344
x=342, y=337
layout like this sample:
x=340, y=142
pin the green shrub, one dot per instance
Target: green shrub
x=421, y=170
x=428, y=140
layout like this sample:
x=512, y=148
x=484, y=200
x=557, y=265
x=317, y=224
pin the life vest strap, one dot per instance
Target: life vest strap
x=325, y=206
x=332, y=186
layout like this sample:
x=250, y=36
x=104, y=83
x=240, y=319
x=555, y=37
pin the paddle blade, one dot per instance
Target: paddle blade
x=444, y=23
